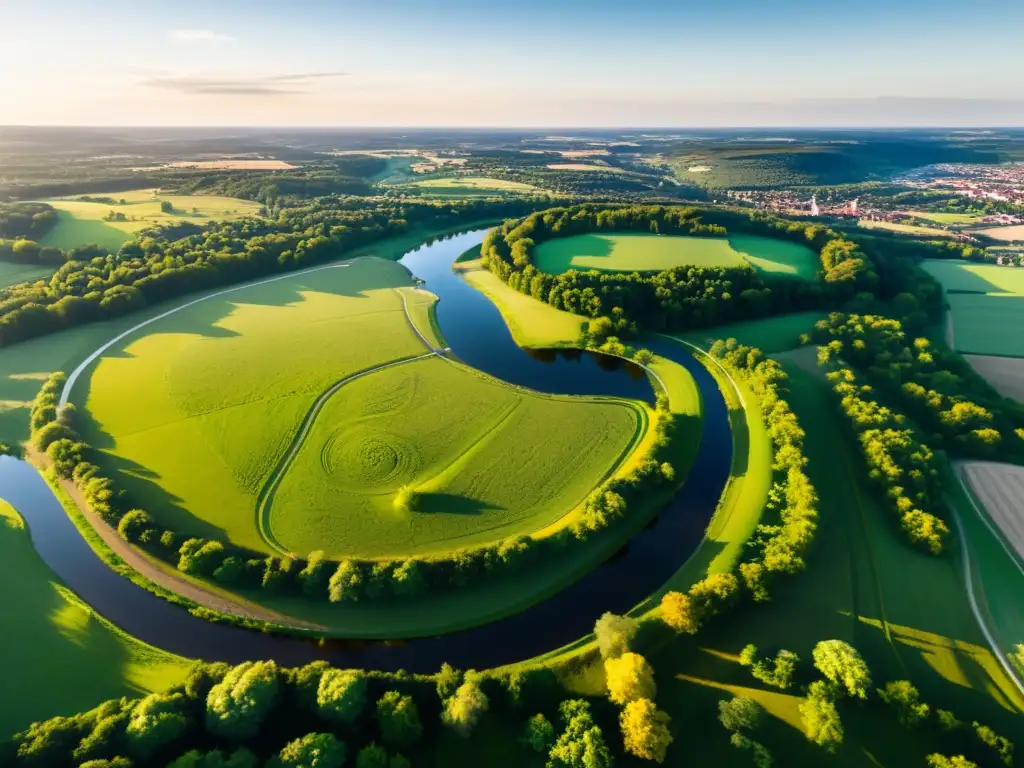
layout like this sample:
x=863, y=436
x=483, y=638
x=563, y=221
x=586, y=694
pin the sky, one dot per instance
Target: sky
x=518, y=63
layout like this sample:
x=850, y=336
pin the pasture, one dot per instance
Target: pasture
x=487, y=460
x=985, y=301
x=463, y=186
x=634, y=252
x=55, y=652
x=193, y=413
x=769, y=334
x=12, y=274
x=947, y=218
x=83, y=221
x=906, y=229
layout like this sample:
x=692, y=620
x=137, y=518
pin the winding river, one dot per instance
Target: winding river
x=477, y=334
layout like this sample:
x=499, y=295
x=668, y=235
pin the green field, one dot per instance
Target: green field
x=986, y=303
x=489, y=461
x=947, y=218
x=655, y=253
x=906, y=229
x=12, y=274
x=463, y=186
x=81, y=222
x=56, y=653
x=769, y=334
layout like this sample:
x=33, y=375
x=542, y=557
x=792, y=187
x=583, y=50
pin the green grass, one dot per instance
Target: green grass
x=57, y=654
x=532, y=323
x=769, y=334
x=947, y=218
x=12, y=274
x=80, y=222
x=194, y=412
x=463, y=186
x=488, y=460
x=655, y=253
x=907, y=229
x=987, y=305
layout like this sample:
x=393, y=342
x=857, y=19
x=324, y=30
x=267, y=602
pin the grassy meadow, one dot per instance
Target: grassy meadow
x=193, y=413
x=986, y=301
x=55, y=652
x=12, y=274
x=780, y=333
x=470, y=186
x=80, y=221
x=488, y=461
x=654, y=253
x=906, y=229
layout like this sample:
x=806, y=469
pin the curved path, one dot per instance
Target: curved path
x=474, y=328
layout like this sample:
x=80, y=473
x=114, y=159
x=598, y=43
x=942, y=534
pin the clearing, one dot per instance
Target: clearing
x=1005, y=374
x=86, y=221
x=986, y=303
x=472, y=185
x=61, y=657
x=12, y=274
x=489, y=461
x=641, y=252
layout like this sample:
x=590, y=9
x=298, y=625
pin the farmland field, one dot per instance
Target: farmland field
x=218, y=390
x=54, y=650
x=1005, y=374
x=489, y=461
x=907, y=229
x=655, y=253
x=472, y=185
x=80, y=221
x=12, y=274
x=1006, y=234
x=947, y=218
x=984, y=301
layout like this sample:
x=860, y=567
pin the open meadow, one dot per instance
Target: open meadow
x=469, y=186
x=906, y=229
x=12, y=274
x=634, y=252
x=986, y=302
x=55, y=651
x=88, y=221
x=487, y=461
x=780, y=333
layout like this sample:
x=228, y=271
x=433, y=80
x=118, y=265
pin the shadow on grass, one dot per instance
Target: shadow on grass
x=451, y=504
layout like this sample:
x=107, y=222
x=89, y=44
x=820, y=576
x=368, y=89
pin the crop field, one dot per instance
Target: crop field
x=907, y=229
x=986, y=301
x=487, y=460
x=81, y=222
x=655, y=253
x=947, y=218
x=1005, y=374
x=584, y=167
x=56, y=653
x=770, y=334
x=195, y=411
x=472, y=185
x=12, y=274
x=1013, y=234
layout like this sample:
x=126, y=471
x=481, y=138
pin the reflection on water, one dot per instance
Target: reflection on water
x=477, y=335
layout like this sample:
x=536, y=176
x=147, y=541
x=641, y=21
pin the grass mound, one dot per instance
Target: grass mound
x=86, y=221
x=59, y=656
x=655, y=253
x=485, y=460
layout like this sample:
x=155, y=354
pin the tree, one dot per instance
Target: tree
x=629, y=677
x=133, y=523
x=759, y=753
x=406, y=499
x=581, y=743
x=156, y=721
x=463, y=710
x=643, y=357
x=539, y=734
x=841, y=664
x=372, y=756
x=240, y=758
x=820, y=717
x=739, y=713
x=341, y=694
x=679, y=613
x=314, y=750
x=398, y=719
x=941, y=761
x=902, y=696
x=645, y=731
x=346, y=582
x=448, y=680
x=237, y=706
x=613, y=634
x=778, y=672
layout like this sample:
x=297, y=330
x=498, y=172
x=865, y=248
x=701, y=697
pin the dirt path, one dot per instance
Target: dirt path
x=169, y=580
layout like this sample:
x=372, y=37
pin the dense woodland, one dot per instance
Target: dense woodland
x=26, y=220
x=683, y=297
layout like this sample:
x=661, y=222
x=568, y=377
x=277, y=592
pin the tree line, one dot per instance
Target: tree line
x=351, y=579
x=682, y=297
x=93, y=284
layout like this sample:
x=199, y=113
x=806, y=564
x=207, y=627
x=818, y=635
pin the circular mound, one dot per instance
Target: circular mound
x=365, y=459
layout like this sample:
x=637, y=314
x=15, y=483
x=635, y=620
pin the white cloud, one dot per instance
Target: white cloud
x=198, y=36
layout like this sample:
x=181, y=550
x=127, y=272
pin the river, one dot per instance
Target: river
x=476, y=334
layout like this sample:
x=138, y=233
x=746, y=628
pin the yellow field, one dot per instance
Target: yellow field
x=82, y=222
x=233, y=165
x=473, y=184
x=583, y=167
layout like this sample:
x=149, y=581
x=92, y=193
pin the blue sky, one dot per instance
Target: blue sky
x=521, y=63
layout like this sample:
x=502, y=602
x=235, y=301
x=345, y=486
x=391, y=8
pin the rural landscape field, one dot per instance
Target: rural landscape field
x=551, y=386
